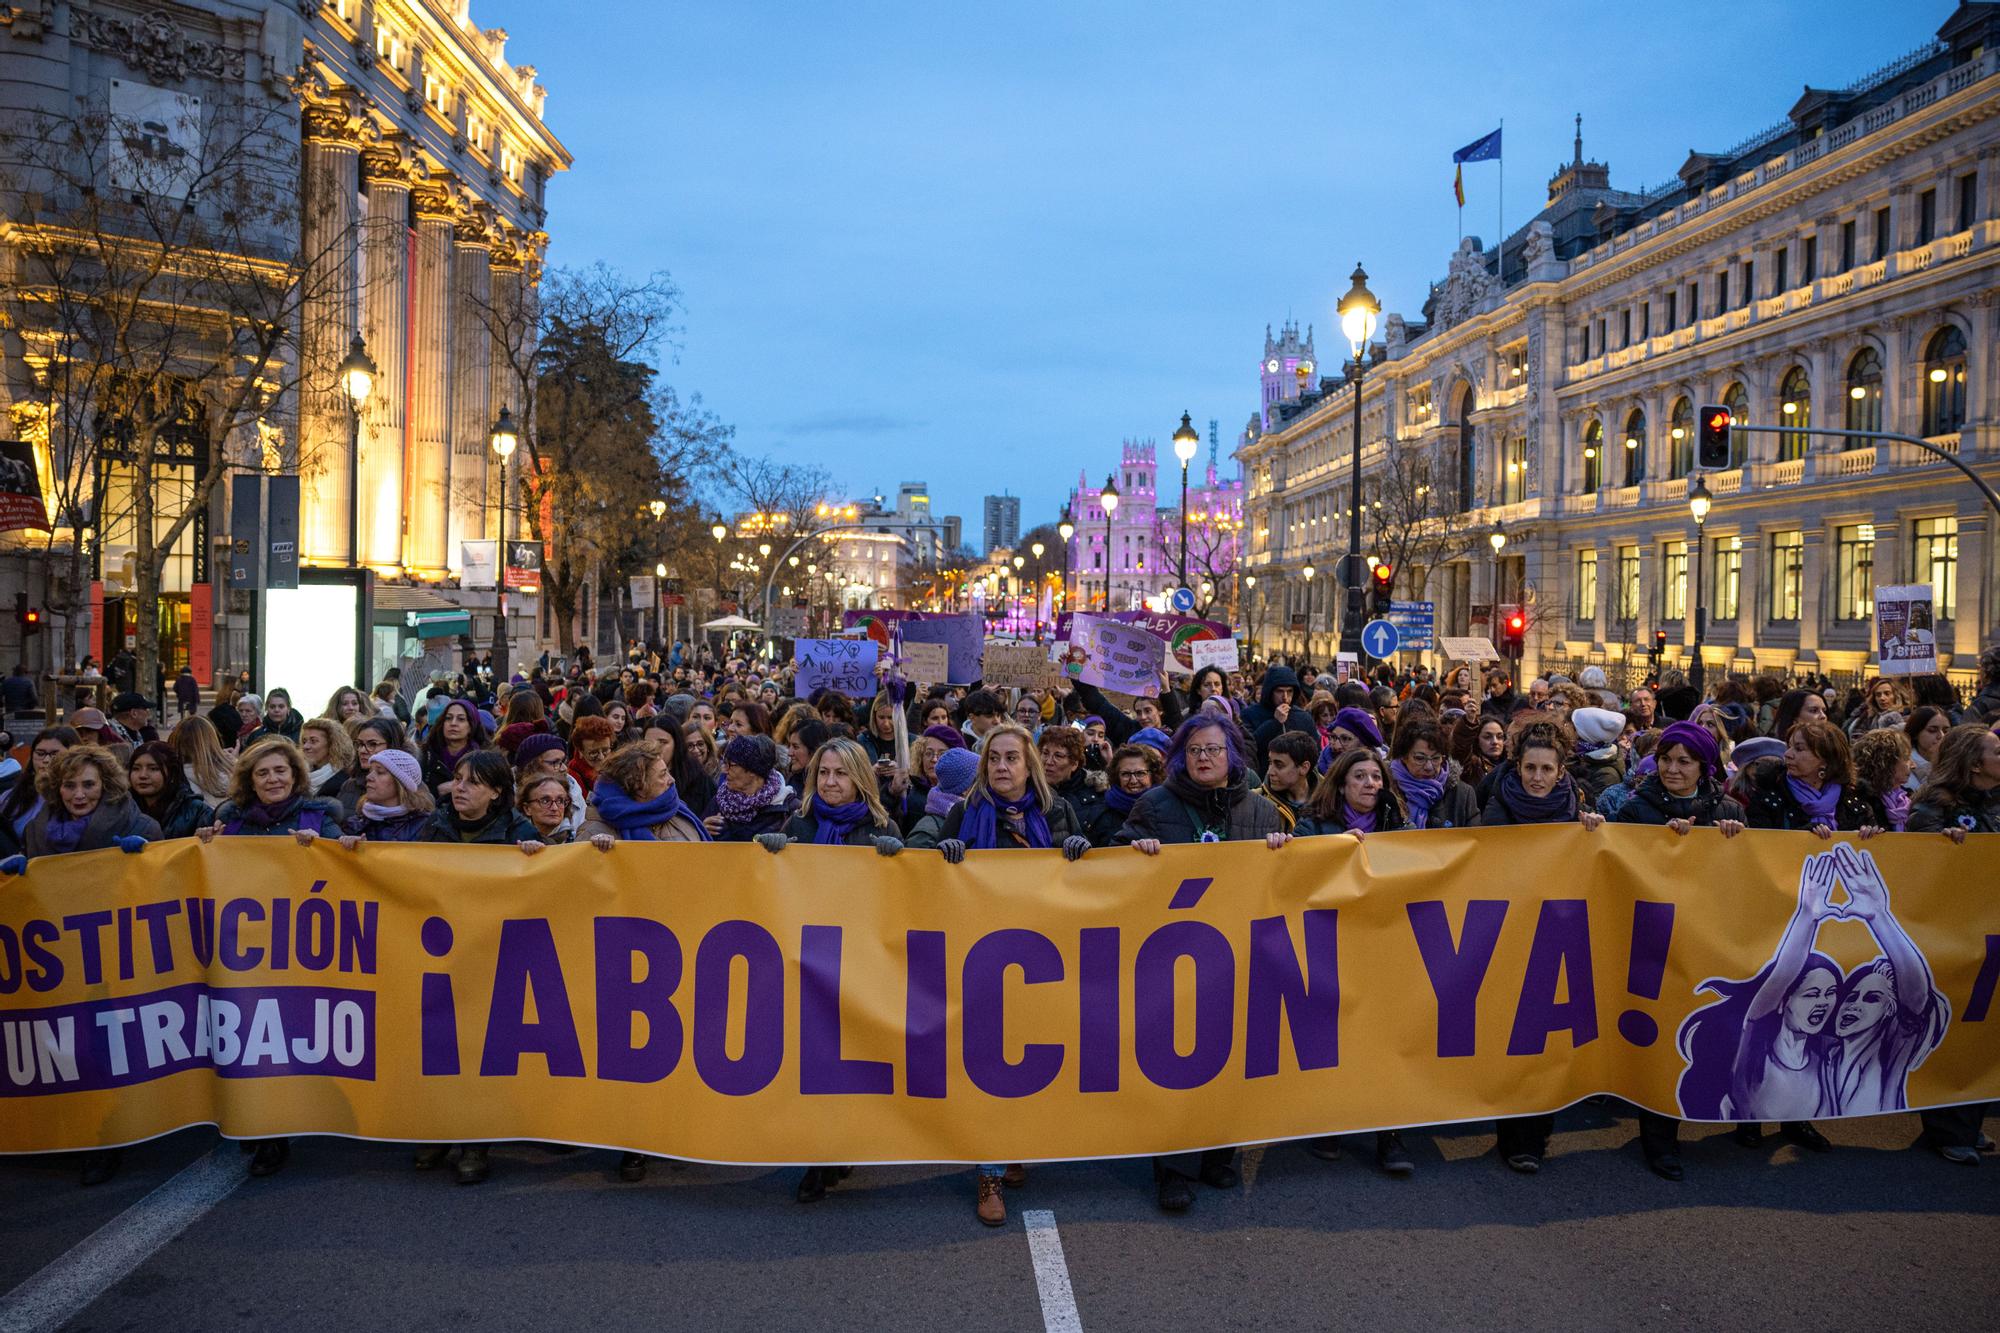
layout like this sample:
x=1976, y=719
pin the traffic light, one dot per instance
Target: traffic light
x=1712, y=437
x=1659, y=641
x=29, y=618
x=1514, y=634
x=1379, y=580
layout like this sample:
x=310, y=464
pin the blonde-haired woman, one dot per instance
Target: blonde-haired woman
x=203, y=758
x=329, y=754
x=844, y=810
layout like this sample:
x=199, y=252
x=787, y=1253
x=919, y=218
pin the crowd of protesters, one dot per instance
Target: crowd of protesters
x=695, y=747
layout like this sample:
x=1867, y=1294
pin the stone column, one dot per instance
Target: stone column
x=1751, y=598
x=327, y=322
x=1814, y=597
x=431, y=347
x=385, y=324
x=471, y=390
x=1976, y=617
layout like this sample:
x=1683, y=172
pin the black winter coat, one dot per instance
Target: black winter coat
x=185, y=814
x=322, y=817
x=1650, y=803
x=1935, y=816
x=1062, y=821
x=805, y=828
x=512, y=826
x=406, y=827
x=1241, y=815
x=1772, y=805
x=771, y=819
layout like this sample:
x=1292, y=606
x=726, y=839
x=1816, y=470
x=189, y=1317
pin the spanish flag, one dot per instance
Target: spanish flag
x=1483, y=149
x=1458, y=183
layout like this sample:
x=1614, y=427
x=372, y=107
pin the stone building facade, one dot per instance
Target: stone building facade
x=417, y=158
x=1840, y=269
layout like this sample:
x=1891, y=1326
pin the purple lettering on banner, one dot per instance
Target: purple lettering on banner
x=10, y=961
x=233, y=956
x=1310, y=1002
x=281, y=933
x=36, y=936
x=1153, y=1004
x=357, y=936
x=201, y=929
x=984, y=998
x=622, y=996
x=528, y=962
x=87, y=927
x=1562, y=946
x=924, y=1014
x=158, y=934
x=1981, y=1002
x=763, y=1008
x=1098, y=1023
x=234, y=1031
x=315, y=940
x=124, y=944
x=823, y=1070
x=1457, y=971
x=440, y=1025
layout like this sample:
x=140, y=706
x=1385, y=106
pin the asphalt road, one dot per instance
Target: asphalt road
x=1876, y=1234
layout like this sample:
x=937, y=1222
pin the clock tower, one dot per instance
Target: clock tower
x=1288, y=366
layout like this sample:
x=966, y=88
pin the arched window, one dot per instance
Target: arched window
x=1468, y=474
x=1944, y=383
x=1634, y=441
x=1680, y=437
x=1795, y=412
x=1593, y=457
x=1864, y=394
x=1737, y=400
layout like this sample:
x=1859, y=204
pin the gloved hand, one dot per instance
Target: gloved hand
x=772, y=842
x=14, y=865
x=132, y=843
x=953, y=849
x=1075, y=846
x=888, y=846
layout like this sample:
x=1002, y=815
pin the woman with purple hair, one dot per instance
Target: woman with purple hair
x=1206, y=798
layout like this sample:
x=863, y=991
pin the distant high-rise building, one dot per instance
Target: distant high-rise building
x=1003, y=520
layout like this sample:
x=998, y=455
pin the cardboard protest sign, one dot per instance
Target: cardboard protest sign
x=1906, y=629
x=1113, y=656
x=927, y=663
x=1214, y=652
x=1023, y=666
x=844, y=665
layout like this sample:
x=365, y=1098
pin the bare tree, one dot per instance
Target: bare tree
x=1413, y=523
x=158, y=302
x=602, y=434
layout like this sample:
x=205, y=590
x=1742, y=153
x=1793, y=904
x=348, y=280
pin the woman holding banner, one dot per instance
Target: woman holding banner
x=1961, y=796
x=1135, y=770
x=845, y=808
x=160, y=787
x=752, y=799
x=1206, y=798
x=1815, y=788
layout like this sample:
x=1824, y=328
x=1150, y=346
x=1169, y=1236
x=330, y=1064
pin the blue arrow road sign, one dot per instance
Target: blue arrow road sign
x=1183, y=600
x=1380, y=638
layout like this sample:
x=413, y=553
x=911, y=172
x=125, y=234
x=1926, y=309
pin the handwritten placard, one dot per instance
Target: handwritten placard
x=1023, y=666
x=843, y=665
x=926, y=663
x=1112, y=656
x=1215, y=653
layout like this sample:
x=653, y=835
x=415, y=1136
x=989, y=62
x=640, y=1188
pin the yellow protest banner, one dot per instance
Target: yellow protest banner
x=825, y=1004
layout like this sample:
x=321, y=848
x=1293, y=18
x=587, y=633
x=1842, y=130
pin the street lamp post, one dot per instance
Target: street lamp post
x=1185, y=444
x=1309, y=571
x=1066, y=529
x=1108, y=497
x=1250, y=616
x=505, y=439
x=1699, y=501
x=357, y=378
x=1041, y=579
x=1358, y=312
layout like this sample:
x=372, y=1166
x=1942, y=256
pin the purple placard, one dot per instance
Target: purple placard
x=965, y=636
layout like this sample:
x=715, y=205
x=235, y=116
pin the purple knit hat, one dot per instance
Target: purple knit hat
x=1362, y=725
x=1697, y=742
x=535, y=746
x=948, y=737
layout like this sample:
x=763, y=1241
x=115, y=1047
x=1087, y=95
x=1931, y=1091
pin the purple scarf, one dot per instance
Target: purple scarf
x=634, y=819
x=980, y=825
x=1120, y=800
x=834, y=822
x=939, y=802
x=1360, y=821
x=1419, y=794
x=736, y=808
x=1897, y=803
x=63, y=833
x=1820, y=805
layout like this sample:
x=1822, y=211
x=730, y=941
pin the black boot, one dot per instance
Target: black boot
x=431, y=1158
x=99, y=1167
x=1176, y=1192
x=632, y=1167
x=812, y=1185
x=473, y=1166
x=270, y=1157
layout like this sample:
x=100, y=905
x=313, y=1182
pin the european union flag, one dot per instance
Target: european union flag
x=1479, y=150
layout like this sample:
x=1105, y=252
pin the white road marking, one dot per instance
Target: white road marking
x=1051, y=1272
x=54, y=1296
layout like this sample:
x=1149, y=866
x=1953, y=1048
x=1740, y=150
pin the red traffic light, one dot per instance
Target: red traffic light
x=1719, y=419
x=32, y=616
x=1517, y=622
x=1384, y=575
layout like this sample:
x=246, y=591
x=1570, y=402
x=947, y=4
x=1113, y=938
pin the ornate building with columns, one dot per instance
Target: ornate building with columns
x=1839, y=269
x=410, y=160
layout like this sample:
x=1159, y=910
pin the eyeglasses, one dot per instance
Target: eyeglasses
x=1414, y=760
x=551, y=802
x=1207, y=751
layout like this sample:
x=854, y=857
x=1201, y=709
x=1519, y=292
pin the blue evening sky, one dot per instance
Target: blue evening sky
x=980, y=244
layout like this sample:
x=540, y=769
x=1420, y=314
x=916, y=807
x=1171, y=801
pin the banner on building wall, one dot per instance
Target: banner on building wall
x=826, y=1004
x=201, y=632
x=21, y=502
x=476, y=560
x=524, y=566
x=281, y=521
x=246, y=529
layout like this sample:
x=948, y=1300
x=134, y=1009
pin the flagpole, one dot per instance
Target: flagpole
x=1500, y=210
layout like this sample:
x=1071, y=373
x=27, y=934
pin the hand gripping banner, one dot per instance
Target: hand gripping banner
x=825, y=1004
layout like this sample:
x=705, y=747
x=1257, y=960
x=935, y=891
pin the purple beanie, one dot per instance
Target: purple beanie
x=1696, y=741
x=402, y=766
x=1362, y=725
x=956, y=770
x=948, y=737
x=746, y=753
x=534, y=747
x=1154, y=737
